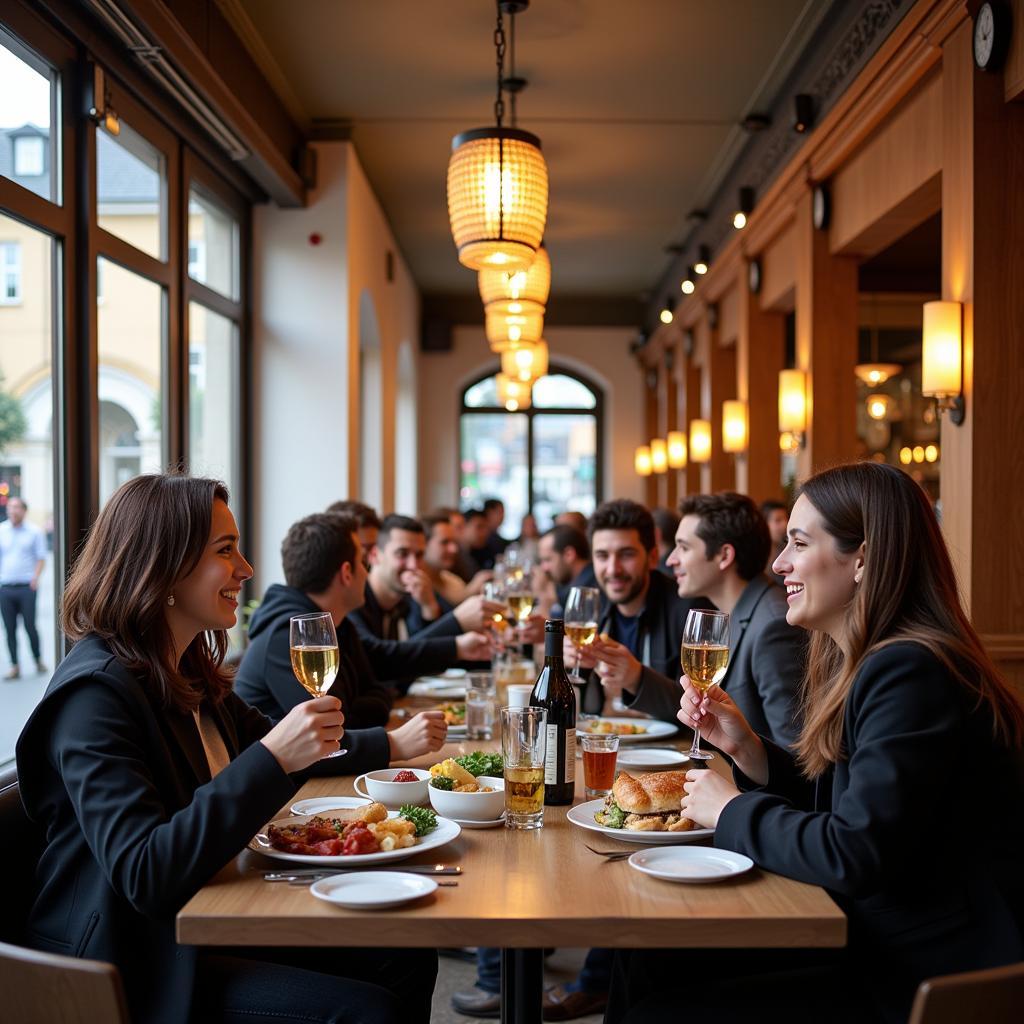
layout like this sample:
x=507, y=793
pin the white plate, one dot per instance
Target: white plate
x=656, y=730
x=456, y=732
x=445, y=832
x=582, y=816
x=494, y=823
x=650, y=759
x=319, y=804
x=690, y=864
x=439, y=687
x=373, y=890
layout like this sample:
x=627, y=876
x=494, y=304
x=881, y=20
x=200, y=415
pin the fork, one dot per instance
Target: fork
x=611, y=854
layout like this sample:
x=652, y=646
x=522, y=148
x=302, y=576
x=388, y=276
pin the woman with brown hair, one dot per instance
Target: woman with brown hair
x=149, y=775
x=904, y=796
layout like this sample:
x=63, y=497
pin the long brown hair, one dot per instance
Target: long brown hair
x=908, y=592
x=149, y=535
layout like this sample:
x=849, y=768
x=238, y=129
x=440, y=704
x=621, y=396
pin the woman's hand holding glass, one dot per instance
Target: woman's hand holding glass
x=705, y=794
x=310, y=731
x=315, y=656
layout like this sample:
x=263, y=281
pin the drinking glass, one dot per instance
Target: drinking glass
x=520, y=599
x=581, y=611
x=704, y=653
x=599, y=755
x=314, y=652
x=495, y=590
x=479, y=713
x=524, y=745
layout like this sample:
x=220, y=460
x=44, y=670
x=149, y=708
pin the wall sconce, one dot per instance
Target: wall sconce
x=676, y=449
x=703, y=260
x=942, y=358
x=700, y=441
x=659, y=455
x=734, y=426
x=793, y=404
x=642, y=460
x=788, y=444
x=745, y=208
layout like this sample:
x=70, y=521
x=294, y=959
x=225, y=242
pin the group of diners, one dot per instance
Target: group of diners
x=850, y=697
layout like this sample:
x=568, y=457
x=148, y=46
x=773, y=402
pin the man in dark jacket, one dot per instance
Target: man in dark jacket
x=565, y=558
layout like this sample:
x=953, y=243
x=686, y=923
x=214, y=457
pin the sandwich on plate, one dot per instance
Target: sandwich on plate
x=646, y=803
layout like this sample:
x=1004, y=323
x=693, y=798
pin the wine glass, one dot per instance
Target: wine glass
x=314, y=651
x=704, y=653
x=520, y=599
x=494, y=590
x=581, y=612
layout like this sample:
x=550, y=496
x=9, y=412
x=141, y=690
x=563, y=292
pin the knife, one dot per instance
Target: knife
x=317, y=878
x=416, y=869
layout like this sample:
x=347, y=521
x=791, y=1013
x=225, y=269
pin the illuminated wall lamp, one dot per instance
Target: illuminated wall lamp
x=642, y=460
x=942, y=357
x=734, y=426
x=700, y=441
x=676, y=449
x=793, y=406
x=659, y=455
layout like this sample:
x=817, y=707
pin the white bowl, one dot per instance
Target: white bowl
x=470, y=806
x=378, y=786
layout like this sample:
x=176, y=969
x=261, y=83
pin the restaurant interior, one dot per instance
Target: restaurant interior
x=551, y=253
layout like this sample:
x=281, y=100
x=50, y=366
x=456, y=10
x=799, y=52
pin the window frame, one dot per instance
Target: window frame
x=13, y=268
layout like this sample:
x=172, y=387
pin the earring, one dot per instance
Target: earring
x=856, y=579
x=170, y=600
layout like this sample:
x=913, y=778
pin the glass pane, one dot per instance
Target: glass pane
x=26, y=472
x=492, y=457
x=558, y=391
x=482, y=395
x=212, y=402
x=26, y=99
x=131, y=332
x=212, y=246
x=131, y=190
x=564, y=465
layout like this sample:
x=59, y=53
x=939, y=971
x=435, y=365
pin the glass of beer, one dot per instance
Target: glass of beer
x=600, y=752
x=314, y=652
x=581, y=610
x=704, y=653
x=524, y=745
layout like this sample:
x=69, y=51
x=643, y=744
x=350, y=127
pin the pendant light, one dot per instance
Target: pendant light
x=514, y=395
x=525, y=363
x=514, y=303
x=497, y=184
x=874, y=373
x=507, y=330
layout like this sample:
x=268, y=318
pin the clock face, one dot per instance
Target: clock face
x=819, y=208
x=984, y=35
x=754, y=276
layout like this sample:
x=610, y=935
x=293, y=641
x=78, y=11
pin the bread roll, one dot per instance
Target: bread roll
x=652, y=793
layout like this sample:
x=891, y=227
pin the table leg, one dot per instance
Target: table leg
x=522, y=985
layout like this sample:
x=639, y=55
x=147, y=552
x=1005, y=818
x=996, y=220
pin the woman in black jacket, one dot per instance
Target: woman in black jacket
x=149, y=775
x=903, y=797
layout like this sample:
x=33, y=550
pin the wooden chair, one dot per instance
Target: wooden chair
x=995, y=996
x=42, y=988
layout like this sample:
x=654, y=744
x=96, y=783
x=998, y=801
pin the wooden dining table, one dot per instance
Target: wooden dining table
x=521, y=891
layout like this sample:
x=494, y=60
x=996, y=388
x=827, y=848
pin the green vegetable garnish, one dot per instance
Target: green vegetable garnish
x=423, y=818
x=442, y=782
x=614, y=816
x=479, y=763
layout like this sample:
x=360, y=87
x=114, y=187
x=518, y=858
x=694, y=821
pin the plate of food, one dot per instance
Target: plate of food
x=350, y=837
x=455, y=718
x=629, y=730
x=642, y=809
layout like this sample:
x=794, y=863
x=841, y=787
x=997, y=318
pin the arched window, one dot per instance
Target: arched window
x=545, y=460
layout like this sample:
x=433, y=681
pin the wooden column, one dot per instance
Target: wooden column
x=672, y=357
x=760, y=355
x=718, y=383
x=688, y=399
x=982, y=480
x=665, y=396
x=650, y=429
x=826, y=344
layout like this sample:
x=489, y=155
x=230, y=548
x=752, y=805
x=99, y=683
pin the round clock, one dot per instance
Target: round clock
x=754, y=276
x=821, y=207
x=991, y=36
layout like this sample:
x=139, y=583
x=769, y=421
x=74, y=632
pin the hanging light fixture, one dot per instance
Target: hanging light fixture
x=498, y=183
x=687, y=286
x=525, y=362
x=744, y=208
x=514, y=395
x=703, y=260
x=874, y=373
x=505, y=329
x=878, y=406
x=530, y=285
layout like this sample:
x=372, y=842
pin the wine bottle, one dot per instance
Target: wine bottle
x=554, y=692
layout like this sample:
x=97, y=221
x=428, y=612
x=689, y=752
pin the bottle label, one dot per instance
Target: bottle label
x=555, y=772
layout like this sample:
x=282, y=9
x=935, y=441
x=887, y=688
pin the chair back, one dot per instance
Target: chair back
x=995, y=996
x=40, y=988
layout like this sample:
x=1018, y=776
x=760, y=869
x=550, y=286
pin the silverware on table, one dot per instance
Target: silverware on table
x=415, y=869
x=310, y=879
x=611, y=854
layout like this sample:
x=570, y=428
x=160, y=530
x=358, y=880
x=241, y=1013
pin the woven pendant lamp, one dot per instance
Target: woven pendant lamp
x=506, y=329
x=530, y=285
x=525, y=363
x=514, y=395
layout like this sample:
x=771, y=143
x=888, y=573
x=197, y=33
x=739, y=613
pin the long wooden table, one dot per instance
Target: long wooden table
x=522, y=891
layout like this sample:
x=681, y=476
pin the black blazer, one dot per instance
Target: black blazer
x=921, y=845
x=766, y=666
x=134, y=824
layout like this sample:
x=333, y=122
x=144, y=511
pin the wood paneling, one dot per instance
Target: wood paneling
x=778, y=272
x=729, y=311
x=650, y=428
x=892, y=183
x=718, y=385
x=688, y=405
x=1014, y=72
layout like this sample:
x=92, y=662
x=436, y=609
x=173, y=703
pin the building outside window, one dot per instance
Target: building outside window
x=10, y=273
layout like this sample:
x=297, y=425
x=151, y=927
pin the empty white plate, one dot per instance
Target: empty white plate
x=373, y=890
x=654, y=759
x=321, y=804
x=491, y=823
x=690, y=863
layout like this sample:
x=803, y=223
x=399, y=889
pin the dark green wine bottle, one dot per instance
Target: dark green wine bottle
x=554, y=692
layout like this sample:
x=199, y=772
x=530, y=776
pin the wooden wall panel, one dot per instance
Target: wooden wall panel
x=1014, y=71
x=729, y=311
x=778, y=272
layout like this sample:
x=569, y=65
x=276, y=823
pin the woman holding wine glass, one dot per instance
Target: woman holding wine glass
x=148, y=775
x=919, y=845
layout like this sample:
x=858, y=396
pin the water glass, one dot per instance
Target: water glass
x=519, y=694
x=524, y=745
x=599, y=755
x=480, y=705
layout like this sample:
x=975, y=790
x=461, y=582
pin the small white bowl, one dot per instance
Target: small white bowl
x=378, y=786
x=470, y=806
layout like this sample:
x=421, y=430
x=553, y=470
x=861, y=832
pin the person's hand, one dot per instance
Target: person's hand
x=586, y=654
x=33, y=584
x=472, y=647
x=705, y=793
x=310, y=731
x=532, y=630
x=616, y=666
x=476, y=584
x=422, y=734
x=722, y=724
x=476, y=613
x=419, y=587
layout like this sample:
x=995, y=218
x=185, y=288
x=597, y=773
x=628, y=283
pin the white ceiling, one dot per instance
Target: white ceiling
x=636, y=103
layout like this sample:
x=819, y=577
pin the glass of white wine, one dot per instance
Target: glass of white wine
x=520, y=599
x=314, y=651
x=581, y=612
x=705, y=656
